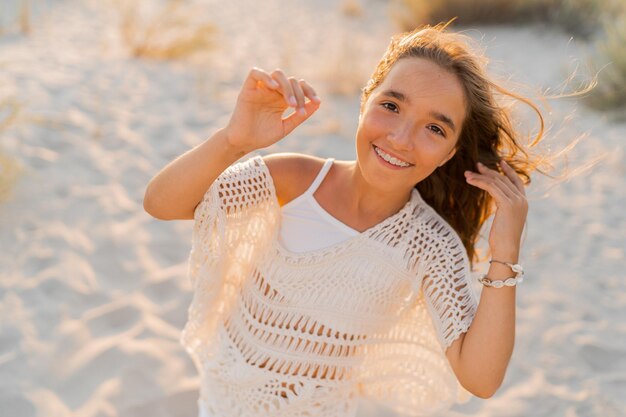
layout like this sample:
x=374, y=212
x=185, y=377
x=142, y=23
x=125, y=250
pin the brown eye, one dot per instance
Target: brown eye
x=390, y=106
x=437, y=130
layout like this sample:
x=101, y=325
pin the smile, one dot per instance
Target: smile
x=390, y=160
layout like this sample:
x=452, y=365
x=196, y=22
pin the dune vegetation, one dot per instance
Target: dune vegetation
x=168, y=32
x=9, y=167
x=599, y=22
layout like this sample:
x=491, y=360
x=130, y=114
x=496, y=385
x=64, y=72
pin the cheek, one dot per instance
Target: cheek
x=377, y=119
x=374, y=126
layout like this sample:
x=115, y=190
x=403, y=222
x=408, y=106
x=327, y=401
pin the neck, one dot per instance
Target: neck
x=368, y=201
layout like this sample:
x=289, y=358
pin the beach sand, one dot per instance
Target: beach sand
x=93, y=291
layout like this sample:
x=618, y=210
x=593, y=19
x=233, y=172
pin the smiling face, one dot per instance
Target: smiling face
x=409, y=125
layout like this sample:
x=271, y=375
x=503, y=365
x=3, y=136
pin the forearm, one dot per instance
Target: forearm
x=175, y=191
x=488, y=344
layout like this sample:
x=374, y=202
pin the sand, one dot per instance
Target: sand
x=93, y=292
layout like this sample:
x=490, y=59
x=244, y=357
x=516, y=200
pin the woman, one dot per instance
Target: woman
x=318, y=282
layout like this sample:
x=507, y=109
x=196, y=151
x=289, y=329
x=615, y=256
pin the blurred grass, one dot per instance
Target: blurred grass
x=9, y=168
x=610, y=94
x=578, y=17
x=168, y=34
x=25, y=17
x=352, y=8
x=600, y=21
x=20, y=22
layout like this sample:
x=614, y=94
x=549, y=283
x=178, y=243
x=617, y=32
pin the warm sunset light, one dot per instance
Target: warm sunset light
x=250, y=208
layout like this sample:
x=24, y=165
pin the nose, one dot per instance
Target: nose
x=400, y=138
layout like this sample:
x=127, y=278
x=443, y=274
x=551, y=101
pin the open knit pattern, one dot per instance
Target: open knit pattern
x=278, y=333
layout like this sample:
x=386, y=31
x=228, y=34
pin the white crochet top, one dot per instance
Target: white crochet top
x=277, y=333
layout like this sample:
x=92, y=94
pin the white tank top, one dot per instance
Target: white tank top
x=306, y=226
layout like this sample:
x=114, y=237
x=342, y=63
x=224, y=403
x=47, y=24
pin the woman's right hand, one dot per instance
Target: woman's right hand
x=257, y=121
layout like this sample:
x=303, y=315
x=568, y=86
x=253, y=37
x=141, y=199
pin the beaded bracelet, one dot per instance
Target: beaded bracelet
x=509, y=282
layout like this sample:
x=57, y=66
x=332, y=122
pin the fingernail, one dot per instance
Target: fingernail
x=302, y=111
x=316, y=99
x=292, y=101
x=479, y=164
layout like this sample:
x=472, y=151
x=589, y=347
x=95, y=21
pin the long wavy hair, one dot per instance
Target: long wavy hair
x=487, y=133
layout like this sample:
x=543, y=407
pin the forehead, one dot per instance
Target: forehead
x=425, y=82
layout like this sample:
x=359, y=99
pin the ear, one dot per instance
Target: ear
x=448, y=157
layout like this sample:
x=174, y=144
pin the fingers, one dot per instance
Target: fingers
x=309, y=92
x=507, y=187
x=498, y=185
x=488, y=184
x=309, y=108
x=510, y=172
x=299, y=94
x=285, y=87
x=294, y=91
x=302, y=90
x=256, y=76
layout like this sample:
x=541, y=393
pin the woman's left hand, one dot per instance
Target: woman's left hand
x=511, y=207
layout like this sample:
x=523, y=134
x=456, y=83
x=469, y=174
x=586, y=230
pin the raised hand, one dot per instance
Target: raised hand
x=257, y=121
x=512, y=207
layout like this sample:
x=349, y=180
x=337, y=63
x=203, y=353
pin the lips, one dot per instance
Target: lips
x=388, y=164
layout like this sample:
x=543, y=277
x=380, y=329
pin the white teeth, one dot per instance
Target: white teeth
x=390, y=159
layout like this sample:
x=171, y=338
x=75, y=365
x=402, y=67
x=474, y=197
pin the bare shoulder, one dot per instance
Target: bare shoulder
x=292, y=173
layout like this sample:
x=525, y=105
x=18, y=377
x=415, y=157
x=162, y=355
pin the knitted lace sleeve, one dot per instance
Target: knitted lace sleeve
x=447, y=285
x=236, y=215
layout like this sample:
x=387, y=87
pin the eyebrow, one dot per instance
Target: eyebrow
x=439, y=116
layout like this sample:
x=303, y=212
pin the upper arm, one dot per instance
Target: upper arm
x=292, y=173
